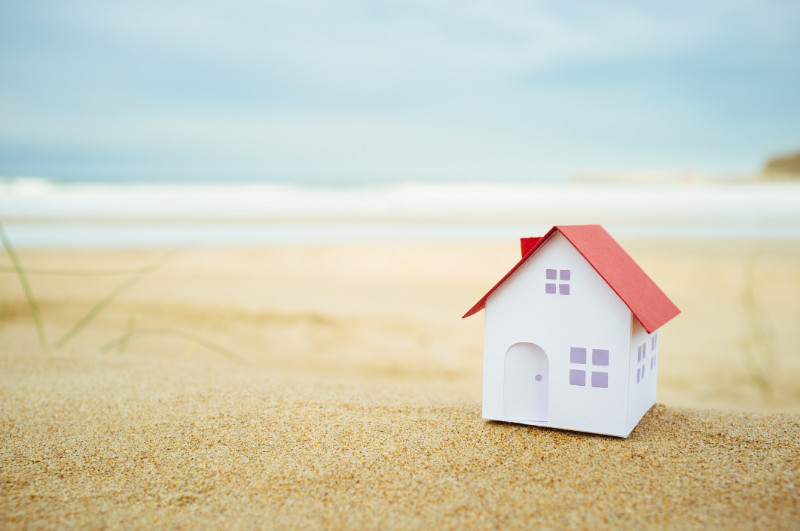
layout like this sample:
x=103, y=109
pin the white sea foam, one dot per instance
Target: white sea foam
x=38, y=212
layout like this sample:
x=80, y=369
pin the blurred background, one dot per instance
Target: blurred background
x=346, y=178
x=353, y=92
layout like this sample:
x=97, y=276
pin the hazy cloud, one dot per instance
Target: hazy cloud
x=443, y=89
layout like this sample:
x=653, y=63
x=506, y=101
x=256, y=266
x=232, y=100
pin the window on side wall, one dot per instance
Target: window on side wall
x=654, y=355
x=641, y=359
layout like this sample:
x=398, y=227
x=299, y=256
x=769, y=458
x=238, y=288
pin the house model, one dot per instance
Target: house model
x=571, y=335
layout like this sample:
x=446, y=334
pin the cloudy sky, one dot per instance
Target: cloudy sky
x=316, y=91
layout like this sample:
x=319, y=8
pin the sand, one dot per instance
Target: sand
x=336, y=387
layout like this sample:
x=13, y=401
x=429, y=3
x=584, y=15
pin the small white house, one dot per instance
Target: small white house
x=571, y=335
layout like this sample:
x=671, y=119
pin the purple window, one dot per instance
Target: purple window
x=600, y=359
x=577, y=377
x=600, y=379
x=577, y=355
x=652, y=362
x=641, y=357
x=563, y=276
x=599, y=356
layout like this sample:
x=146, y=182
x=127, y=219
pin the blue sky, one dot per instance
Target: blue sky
x=373, y=91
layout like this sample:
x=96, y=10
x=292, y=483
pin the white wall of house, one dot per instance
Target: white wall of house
x=591, y=316
x=643, y=368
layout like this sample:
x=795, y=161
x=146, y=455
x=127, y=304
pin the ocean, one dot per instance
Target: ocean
x=44, y=213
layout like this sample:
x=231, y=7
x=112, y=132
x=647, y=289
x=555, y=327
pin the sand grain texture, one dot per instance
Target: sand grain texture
x=357, y=401
x=133, y=443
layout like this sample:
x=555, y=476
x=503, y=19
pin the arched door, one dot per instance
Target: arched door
x=526, y=383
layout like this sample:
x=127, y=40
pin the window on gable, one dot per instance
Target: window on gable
x=581, y=364
x=557, y=281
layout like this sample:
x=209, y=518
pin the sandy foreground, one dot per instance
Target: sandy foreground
x=337, y=386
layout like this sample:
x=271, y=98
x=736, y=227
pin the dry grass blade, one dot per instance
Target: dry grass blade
x=116, y=292
x=758, y=348
x=26, y=288
x=78, y=272
x=189, y=336
x=128, y=329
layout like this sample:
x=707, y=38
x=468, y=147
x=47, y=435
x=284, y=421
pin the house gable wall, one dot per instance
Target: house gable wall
x=592, y=316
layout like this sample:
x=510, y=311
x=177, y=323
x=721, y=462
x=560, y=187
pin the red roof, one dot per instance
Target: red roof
x=639, y=293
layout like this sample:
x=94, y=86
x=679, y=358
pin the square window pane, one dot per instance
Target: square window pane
x=563, y=289
x=564, y=274
x=551, y=274
x=577, y=355
x=577, y=377
x=599, y=356
x=600, y=379
x=549, y=288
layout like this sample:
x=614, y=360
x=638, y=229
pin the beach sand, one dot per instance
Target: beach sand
x=337, y=386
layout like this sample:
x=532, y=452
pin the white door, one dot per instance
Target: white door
x=525, y=385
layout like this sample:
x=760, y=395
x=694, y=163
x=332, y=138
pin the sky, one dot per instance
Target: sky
x=370, y=91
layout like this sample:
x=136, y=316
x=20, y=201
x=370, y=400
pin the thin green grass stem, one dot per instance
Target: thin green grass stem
x=26, y=288
x=108, y=299
x=759, y=346
x=77, y=272
x=173, y=332
x=129, y=327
